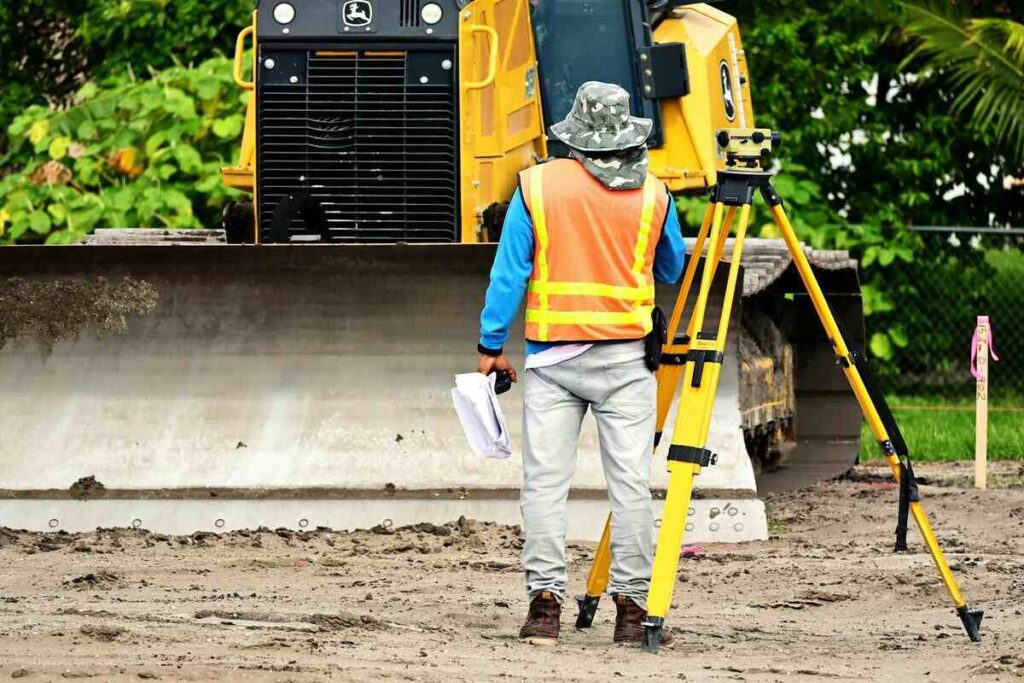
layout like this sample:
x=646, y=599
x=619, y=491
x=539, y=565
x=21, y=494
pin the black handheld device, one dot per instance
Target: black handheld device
x=503, y=382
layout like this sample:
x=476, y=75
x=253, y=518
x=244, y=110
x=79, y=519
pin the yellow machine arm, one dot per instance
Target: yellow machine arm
x=243, y=175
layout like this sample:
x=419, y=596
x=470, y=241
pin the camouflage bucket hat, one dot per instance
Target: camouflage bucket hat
x=600, y=121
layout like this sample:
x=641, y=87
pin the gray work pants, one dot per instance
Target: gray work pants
x=614, y=382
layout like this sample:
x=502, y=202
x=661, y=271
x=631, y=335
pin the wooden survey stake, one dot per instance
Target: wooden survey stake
x=979, y=368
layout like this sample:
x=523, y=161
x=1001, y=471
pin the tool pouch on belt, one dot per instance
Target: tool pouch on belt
x=656, y=340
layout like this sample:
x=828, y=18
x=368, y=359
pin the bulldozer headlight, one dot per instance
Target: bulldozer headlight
x=431, y=13
x=284, y=13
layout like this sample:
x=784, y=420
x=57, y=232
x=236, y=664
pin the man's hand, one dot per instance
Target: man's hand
x=491, y=364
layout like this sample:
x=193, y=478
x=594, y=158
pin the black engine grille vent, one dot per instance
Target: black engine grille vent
x=410, y=15
x=373, y=147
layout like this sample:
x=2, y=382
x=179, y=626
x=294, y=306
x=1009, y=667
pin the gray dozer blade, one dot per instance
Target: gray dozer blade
x=206, y=386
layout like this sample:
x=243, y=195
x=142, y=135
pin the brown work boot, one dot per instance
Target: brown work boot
x=543, y=621
x=629, y=623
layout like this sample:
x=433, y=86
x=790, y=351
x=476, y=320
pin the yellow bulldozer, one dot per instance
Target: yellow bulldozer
x=299, y=375
x=409, y=121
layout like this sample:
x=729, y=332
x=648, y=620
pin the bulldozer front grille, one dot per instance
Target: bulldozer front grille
x=410, y=13
x=370, y=135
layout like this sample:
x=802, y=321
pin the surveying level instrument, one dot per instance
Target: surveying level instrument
x=695, y=358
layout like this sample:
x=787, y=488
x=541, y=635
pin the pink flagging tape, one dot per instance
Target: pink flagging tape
x=982, y=321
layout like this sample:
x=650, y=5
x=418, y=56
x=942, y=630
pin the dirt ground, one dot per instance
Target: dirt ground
x=825, y=598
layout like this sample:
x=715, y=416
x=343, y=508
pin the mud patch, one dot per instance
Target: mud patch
x=100, y=580
x=426, y=538
x=87, y=488
x=343, y=620
x=8, y=538
x=51, y=311
x=102, y=633
x=321, y=622
x=805, y=600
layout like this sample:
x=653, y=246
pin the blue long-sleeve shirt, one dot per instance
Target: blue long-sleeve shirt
x=513, y=265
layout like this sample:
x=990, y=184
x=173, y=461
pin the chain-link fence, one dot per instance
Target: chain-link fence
x=921, y=322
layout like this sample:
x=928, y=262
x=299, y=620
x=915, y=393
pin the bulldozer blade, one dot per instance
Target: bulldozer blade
x=290, y=386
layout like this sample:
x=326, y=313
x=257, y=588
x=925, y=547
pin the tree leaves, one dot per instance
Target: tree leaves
x=880, y=346
x=870, y=151
x=228, y=128
x=59, y=147
x=38, y=131
x=981, y=61
x=51, y=47
x=39, y=222
x=135, y=153
x=189, y=160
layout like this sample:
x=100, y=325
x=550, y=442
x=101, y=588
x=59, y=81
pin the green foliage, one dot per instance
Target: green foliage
x=40, y=57
x=981, y=60
x=154, y=34
x=880, y=144
x=49, y=48
x=137, y=153
x=870, y=151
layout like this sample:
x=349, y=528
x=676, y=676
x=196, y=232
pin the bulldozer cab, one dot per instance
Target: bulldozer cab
x=593, y=40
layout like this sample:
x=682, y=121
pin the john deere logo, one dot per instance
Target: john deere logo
x=725, y=74
x=357, y=13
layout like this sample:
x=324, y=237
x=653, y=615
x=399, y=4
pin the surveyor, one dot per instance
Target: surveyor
x=584, y=239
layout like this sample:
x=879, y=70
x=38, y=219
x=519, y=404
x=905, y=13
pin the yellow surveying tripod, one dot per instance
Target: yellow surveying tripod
x=696, y=359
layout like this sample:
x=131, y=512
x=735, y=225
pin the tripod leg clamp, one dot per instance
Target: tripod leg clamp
x=692, y=454
x=908, y=493
x=699, y=358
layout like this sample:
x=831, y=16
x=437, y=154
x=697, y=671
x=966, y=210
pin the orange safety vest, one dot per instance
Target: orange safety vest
x=593, y=264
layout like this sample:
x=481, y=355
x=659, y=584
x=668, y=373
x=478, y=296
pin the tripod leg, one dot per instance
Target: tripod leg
x=597, y=580
x=671, y=371
x=688, y=452
x=873, y=413
x=692, y=265
x=674, y=358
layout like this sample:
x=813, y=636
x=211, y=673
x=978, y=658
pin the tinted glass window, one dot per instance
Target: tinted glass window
x=580, y=41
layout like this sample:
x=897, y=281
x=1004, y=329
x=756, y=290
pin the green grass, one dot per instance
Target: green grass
x=1009, y=265
x=939, y=435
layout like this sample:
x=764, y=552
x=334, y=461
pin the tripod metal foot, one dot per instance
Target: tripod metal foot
x=652, y=634
x=587, y=610
x=971, y=619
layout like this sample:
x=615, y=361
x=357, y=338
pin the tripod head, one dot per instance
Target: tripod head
x=747, y=149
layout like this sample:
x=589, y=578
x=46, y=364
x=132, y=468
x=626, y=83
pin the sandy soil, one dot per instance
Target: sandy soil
x=825, y=598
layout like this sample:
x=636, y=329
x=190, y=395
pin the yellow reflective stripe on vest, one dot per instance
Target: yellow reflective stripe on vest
x=646, y=221
x=592, y=289
x=540, y=225
x=641, y=316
